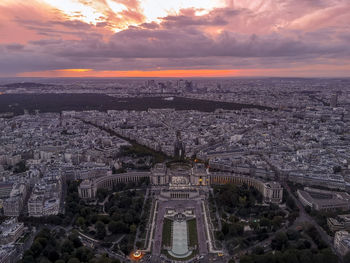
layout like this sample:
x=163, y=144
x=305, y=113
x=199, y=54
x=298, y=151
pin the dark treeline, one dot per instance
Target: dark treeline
x=16, y=103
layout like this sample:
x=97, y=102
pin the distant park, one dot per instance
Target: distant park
x=17, y=103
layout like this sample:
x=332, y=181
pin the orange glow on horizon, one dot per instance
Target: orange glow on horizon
x=318, y=70
x=133, y=74
x=75, y=70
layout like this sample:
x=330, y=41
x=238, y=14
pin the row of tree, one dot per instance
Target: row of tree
x=55, y=247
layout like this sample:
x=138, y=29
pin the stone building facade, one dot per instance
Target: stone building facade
x=181, y=181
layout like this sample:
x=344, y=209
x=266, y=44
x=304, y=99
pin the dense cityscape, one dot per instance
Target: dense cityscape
x=182, y=131
x=175, y=170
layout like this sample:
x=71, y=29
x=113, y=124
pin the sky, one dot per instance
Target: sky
x=177, y=38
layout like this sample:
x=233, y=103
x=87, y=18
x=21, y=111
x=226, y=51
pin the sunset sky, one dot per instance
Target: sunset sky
x=174, y=38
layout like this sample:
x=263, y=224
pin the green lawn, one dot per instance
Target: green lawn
x=192, y=232
x=166, y=236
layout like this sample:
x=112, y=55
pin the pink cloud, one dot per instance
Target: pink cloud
x=245, y=34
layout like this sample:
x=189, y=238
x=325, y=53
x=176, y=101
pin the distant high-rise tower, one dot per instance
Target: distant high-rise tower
x=189, y=86
x=179, y=147
x=334, y=100
x=181, y=84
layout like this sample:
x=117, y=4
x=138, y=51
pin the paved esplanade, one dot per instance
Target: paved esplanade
x=183, y=204
x=179, y=246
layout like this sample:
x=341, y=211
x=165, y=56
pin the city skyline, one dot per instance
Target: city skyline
x=148, y=38
x=166, y=170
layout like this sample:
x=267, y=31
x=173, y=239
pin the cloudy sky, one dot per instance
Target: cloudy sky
x=174, y=38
